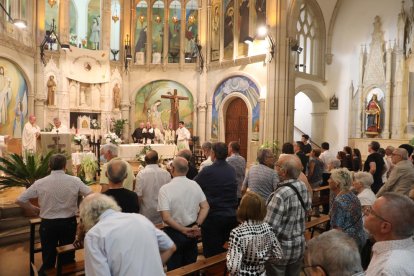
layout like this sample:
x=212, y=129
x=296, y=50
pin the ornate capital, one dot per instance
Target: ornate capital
x=202, y=106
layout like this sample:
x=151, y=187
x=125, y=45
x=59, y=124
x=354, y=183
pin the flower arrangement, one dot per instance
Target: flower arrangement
x=112, y=138
x=80, y=140
x=95, y=124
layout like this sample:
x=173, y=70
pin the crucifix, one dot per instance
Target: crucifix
x=56, y=145
x=175, y=104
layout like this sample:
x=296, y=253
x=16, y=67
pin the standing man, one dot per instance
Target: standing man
x=126, y=199
x=110, y=152
x=206, y=147
x=31, y=132
x=307, y=147
x=287, y=216
x=192, y=170
x=58, y=127
x=326, y=156
x=299, y=151
x=149, y=134
x=148, y=184
x=58, y=198
x=390, y=222
x=262, y=178
x=401, y=179
x=238, y=163
x=375, y=165
x=121, y=244
x=138, y=136
x=183, y=136
x=183, y=207
x=219, y=184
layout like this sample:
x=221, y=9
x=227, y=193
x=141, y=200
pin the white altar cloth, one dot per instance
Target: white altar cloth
x=130, y=151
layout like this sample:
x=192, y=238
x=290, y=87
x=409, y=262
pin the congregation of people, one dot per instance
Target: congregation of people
x=154, y=222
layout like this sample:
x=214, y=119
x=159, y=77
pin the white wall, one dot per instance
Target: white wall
x=303, y=117
x=353, y=27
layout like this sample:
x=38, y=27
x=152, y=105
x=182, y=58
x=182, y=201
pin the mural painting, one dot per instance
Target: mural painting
x=237, y=84
x=160, y=101
x=13, y=99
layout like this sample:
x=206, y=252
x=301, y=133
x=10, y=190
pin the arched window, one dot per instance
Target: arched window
x=191, y=31
x=174, y=31
x=157, y=31
x=115, y=28
x=310, y=36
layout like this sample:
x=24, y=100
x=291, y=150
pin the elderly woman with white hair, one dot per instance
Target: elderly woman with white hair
x=346, y=211
x=362, y=185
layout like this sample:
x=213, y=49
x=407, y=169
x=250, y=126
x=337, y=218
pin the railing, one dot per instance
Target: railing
x=310, y=140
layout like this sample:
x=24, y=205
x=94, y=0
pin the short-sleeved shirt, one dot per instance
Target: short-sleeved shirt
x=182, y=197
x=127, y=200
x=262, y=180
x=239, y=164
x=58, y=194
x=379, y=163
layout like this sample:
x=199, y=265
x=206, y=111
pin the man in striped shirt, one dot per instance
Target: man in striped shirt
x=58, y=198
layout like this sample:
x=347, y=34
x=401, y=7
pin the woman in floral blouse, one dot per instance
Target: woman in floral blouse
x=253, y=242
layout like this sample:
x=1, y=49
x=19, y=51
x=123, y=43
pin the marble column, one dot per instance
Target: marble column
x=318, y=126
x=262, y=103
x=125, y=107
x=106, y=26
x=201, y=108
x=388, y=84
x=360, y=115
x=64, y=21
x=209, y=122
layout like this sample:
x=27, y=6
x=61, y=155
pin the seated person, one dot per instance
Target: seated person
x=137, y=136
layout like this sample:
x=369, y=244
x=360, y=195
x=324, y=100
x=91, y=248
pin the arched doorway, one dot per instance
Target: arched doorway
x=237, y=124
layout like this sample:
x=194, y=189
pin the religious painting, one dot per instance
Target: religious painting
x=215, y=30
x=51, y=13
x=228, y=28
x=237, y=84
x=244, y=20
x=174, y=32
x=94, y=25
x=374, y=111
x=13, y=99
x=333, y=103
x=157, y=31
x=191, y=31
x=141, y=32
x=164, y=103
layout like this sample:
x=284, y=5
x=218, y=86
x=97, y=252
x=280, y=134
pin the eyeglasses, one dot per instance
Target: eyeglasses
x=369, y=211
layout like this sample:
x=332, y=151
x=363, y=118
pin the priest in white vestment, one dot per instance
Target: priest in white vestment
x=31, y=132
x=58, y=127
x=183, y=136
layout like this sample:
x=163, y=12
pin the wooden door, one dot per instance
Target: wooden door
x=237, y=124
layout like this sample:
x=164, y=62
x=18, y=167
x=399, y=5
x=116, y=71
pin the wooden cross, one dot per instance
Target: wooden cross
x=175, y=104
x=57, y=145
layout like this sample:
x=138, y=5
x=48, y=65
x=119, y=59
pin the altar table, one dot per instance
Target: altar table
x=130, y=151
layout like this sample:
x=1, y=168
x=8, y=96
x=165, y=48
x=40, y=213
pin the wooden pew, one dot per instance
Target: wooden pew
x=75, y=268
x=213, y=266
x=311, y=225
x=34, y=247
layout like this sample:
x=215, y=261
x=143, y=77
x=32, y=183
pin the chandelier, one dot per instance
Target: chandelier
x=52, y=2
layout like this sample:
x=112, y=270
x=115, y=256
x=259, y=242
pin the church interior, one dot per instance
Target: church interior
x=253, y=71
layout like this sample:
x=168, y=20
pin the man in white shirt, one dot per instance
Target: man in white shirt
x=58, y=127
x=326, y=156
x=31, y=132
x=121, y=243
x=58, y=198
x=148, y=184
x=183, y=136
x=390, y=222
x=183, y=207
x=206, y=147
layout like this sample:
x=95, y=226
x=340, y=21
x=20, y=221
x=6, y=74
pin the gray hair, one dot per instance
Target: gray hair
x=289, y=163
x=180, y=164
x=93, y=206
x=343, y=178
x=335, y=164
x=206, y=146
x=117, y=171
x=365, y=178
x=402, y=152
x=345, y=260
x=111, y=148
x=262, y=154
x=399, y=210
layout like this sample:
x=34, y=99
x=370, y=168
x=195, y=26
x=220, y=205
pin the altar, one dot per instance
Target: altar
x=129, y=151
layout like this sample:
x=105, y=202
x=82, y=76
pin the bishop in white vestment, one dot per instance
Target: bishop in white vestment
x=31, y=132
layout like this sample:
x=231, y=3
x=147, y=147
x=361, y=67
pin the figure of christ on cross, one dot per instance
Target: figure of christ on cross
x=56, y=145
x=175, y=104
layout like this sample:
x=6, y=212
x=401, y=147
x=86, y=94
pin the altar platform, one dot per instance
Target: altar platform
x=129, y=151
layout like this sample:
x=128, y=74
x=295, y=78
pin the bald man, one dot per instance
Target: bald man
x=31, y=132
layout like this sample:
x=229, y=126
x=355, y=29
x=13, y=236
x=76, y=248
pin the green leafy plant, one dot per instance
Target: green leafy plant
x=118, y=126
x=412, y=142
x=87, y=171
x=273, y=145
x=16, y=173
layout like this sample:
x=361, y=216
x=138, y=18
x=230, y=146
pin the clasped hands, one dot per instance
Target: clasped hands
x=192, y=232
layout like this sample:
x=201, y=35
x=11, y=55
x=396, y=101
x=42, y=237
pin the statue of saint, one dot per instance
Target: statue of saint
x=117, y=96
x=51, y=89
x=95, y=37
x=373, y=111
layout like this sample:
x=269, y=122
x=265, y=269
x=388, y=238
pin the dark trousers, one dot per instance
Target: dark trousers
x=53, y=233
x=215, y=232
x=186, y=252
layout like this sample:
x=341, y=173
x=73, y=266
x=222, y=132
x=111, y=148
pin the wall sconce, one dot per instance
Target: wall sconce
x=51, y=38
x=115, y=17
x=263, y=32
x=19, y=23
x=52, y=3
x=296, y=48
x=128, y=55
x=141, y=19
